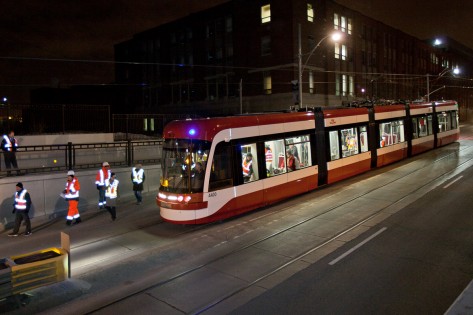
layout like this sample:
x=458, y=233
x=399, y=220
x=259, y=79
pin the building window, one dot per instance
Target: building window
x=337, y=84
x=344, y=85
x=340, y=51
x=265, y=45
x=311, y=82
x=266, y=13
x=267, y=85
x=310, y=13
x=342, y=23
x=229, y=24
x=351, y=85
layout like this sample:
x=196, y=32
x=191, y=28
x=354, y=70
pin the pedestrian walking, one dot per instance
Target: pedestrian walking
x=102, y=175
x=21, y=207
x=112, y=194
x=9, y=146
x=138, y=178
x=71, y=194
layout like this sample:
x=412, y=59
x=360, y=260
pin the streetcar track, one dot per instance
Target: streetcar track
x=272, y=235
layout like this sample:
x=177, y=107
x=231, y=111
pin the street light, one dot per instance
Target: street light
x=335, y=37
x=455, y=71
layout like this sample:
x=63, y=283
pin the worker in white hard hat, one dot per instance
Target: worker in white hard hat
x=71, y=194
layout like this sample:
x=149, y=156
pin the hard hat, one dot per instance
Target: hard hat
x=70, y=173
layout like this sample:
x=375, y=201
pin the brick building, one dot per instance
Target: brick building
x=197, y=64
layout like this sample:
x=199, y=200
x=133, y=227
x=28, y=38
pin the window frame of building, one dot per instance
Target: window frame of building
x=266, y=45
x=310, y=12
x=267, y=83
x=341, y=51
x=265, y=13
x=311, y=82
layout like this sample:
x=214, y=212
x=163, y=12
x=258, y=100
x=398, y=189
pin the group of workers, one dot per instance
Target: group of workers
x=106, y=183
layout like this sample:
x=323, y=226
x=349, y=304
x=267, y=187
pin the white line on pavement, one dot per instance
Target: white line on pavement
x=333, y=262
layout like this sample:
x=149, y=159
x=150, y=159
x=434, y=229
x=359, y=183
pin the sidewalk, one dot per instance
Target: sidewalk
x=96, y=227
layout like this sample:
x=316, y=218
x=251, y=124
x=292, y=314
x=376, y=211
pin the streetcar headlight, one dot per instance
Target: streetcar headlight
x=162, y=196
x=172, y=198
x=180, y=198
x=187, y=199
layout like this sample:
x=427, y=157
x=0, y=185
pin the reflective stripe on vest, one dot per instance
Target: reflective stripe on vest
x=101, y=178
x=269, y=156
x=71, y=191
x=137, y=176
x=8, y=145
x=112, y=189
x=246, y=167
x=20, y=201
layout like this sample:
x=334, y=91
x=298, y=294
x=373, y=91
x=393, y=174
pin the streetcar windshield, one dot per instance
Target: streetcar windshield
x=183, y=165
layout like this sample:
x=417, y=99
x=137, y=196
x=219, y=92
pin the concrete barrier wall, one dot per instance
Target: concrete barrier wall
x=64, y=139
x=45, y=189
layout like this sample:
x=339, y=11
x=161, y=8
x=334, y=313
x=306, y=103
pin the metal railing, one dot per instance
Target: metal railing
x=60, y=157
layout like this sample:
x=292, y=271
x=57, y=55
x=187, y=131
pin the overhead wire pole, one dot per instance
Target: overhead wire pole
x=455, y=71
x=335, y=36
x=300, y=68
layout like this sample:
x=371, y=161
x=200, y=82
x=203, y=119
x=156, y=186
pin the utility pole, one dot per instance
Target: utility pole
x=300, y=66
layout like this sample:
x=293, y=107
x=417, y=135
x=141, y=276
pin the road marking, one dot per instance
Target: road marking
x=451, y=183
x=333, y=262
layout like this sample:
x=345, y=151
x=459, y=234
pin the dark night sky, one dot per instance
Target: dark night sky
x=86, y=30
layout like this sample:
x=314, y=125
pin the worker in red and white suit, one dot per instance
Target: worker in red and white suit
x=71, y=194
x=100, y=181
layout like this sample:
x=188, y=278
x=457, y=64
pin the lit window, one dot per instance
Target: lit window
x=266, y=13
x=311, y=82
x=337, y=84
x=340, y=51
x=310, y=13
x=267, y=85
x=336, y=21
x=344, y=85
x=351, y=85
x=343, y=24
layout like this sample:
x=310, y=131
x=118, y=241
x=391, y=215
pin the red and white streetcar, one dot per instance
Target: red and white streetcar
x=216, y=168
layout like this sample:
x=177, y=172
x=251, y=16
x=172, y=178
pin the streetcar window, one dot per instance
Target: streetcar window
x=444, y=122
x=454, y=120
x=334, y=145
x=275, y=158
x=364, y=138
x=349, y=141
x=391, y=133
x=221, y=172
x=249, y=164
x=179, y=171
x=421, y=126
x=298, y=148
x=430, y=124
x=415, y=132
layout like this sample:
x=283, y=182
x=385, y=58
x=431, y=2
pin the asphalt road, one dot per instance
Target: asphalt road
x=416, y=262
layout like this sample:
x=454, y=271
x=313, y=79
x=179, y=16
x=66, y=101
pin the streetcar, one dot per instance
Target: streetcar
x=217, y=168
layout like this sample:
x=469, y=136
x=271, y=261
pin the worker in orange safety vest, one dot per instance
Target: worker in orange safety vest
x=71, y=194
x=100, y=181
x=247, y=166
